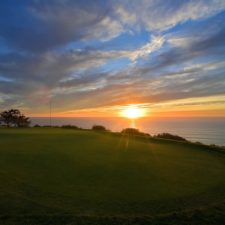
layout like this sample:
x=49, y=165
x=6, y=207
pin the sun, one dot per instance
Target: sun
x=132, y=112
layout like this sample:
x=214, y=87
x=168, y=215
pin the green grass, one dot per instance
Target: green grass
x=65, y=176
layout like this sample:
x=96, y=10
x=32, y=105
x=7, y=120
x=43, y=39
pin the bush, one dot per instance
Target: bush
x=134, y=131
x=170, y=137
x=70, y=127
x=37, y=125
x=198, y=143
x=99, y=128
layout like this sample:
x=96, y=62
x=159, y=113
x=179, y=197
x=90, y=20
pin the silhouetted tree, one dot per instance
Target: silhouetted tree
x=13, y=117
x=7, y=117
x=22, y=121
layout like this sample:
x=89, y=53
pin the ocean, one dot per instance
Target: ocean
x=205, y=130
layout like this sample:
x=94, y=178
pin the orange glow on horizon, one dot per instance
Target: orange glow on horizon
x=212, y=106
x=174, y=114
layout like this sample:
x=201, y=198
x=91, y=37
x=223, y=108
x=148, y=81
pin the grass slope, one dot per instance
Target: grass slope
x=60, y=176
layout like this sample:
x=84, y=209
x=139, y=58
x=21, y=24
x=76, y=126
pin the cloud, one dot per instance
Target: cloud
x=121, y=89
x=50, y=68
x=77, y=20
x=46, y=25
x=155, y=44
x=75, y=75
x=212, y=45
x=162, y=15
x=56, y=49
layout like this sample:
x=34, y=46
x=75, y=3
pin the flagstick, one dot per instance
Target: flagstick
x=50, y=113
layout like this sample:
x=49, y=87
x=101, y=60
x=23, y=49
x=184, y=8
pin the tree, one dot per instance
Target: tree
x=13, y=117
x=22, y=121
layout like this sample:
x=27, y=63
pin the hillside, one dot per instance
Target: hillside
x=65, y=176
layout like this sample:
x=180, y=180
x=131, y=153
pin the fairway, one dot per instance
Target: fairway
x=65, y=176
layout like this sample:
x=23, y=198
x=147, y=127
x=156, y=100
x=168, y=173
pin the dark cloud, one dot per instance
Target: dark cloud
x=45, y=25
x=213, y=44
x=50, y=68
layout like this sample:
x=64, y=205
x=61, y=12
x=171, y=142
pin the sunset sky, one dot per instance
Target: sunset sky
x=93, y=58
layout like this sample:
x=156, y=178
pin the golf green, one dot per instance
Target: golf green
x=66, y=176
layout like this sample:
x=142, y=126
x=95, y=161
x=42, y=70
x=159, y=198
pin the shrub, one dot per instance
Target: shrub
x=170, y=137
x=198, y=143
x=134, y=131
x=70, y=127
x=99, y=128
x=37, y=125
